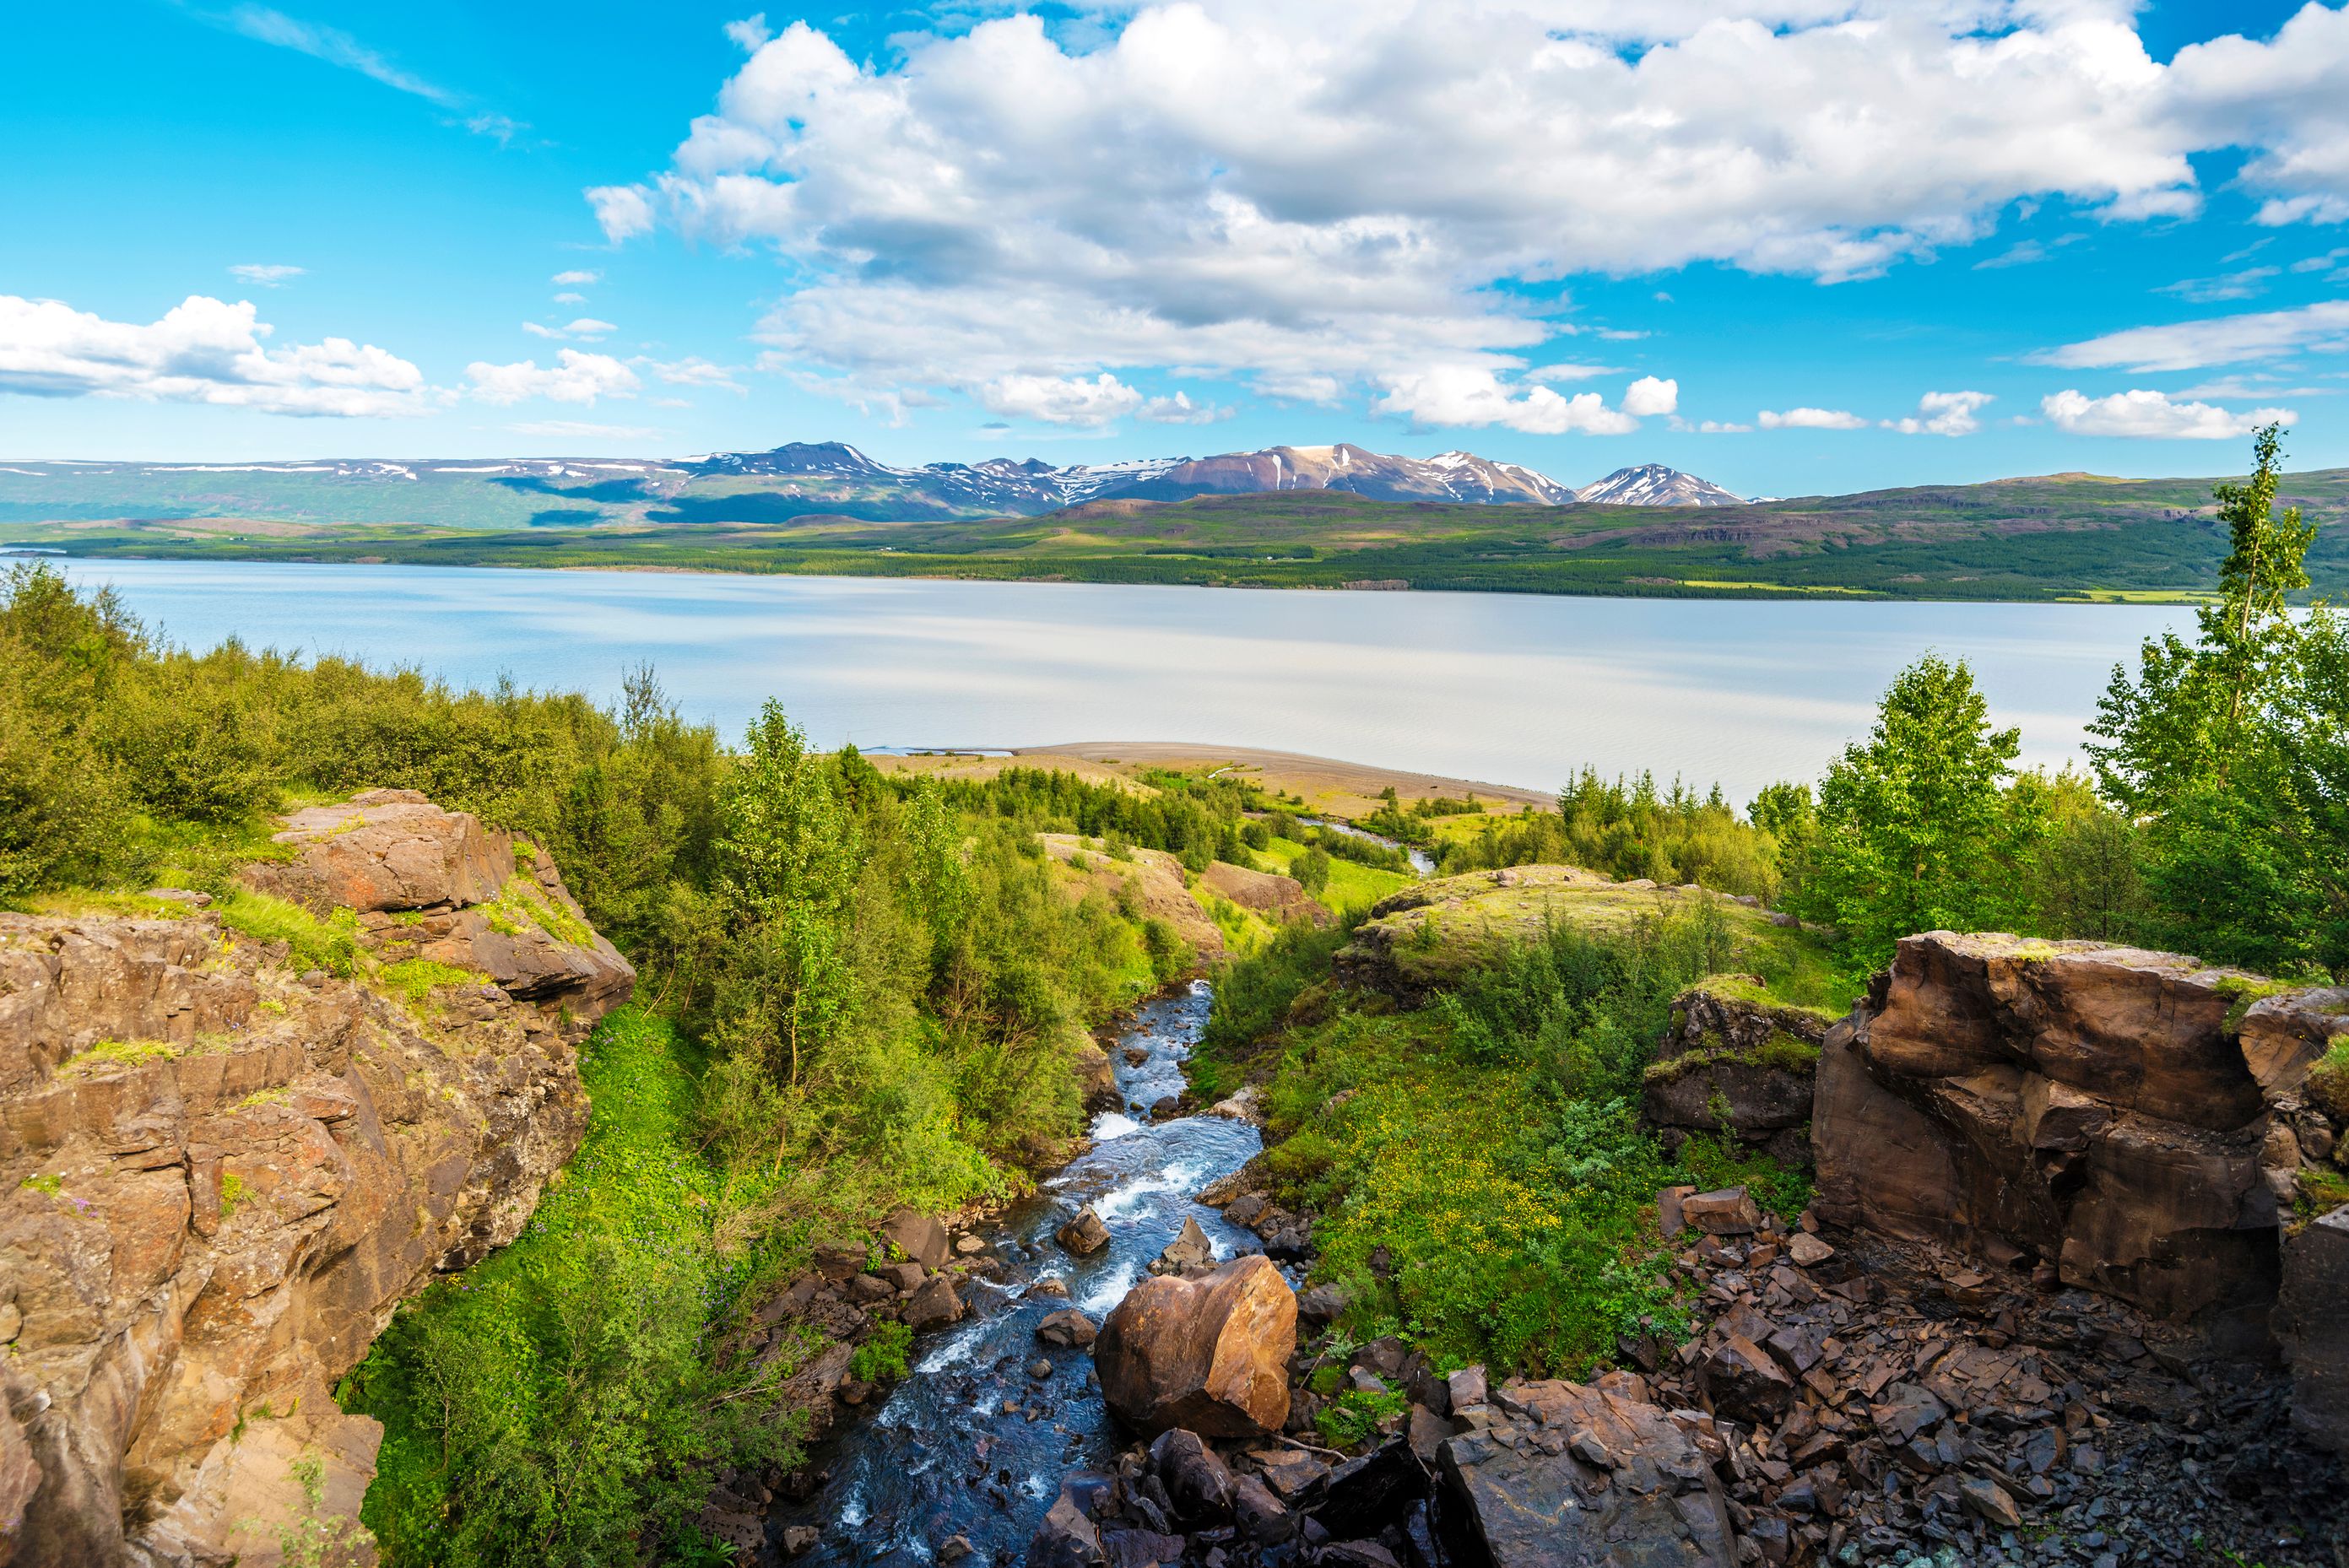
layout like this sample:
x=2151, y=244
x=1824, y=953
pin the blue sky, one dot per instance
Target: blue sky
x=1809, y=246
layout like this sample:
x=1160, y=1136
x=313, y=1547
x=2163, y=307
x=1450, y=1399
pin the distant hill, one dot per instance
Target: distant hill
x=1335, y=516
x=1652, y=484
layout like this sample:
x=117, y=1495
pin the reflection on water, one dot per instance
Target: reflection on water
x=1511, y=688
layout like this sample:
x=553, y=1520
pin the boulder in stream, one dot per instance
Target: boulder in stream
x=1084, y=1235
x=1209, y=1353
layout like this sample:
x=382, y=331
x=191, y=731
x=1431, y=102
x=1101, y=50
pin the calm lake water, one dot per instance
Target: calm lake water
x=1508, y=688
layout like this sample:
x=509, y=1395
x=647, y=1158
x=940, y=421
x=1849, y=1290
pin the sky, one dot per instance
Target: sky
x=1796, y=247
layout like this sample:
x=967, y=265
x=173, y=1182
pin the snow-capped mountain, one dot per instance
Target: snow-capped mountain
x=1031, y=485
x=1652, y=484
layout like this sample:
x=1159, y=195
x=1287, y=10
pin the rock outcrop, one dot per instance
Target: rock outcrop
x=1208, y=1354
x=220, y=1172
x=2095, y=1106
x=1277, y=898
x=1736, y=1063
x=1562, y=1474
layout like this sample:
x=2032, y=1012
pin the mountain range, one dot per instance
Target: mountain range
x=1032, y=486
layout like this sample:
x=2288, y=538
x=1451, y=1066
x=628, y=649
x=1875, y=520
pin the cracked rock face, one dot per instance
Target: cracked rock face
x=218, y=1176
x=2127, y=1116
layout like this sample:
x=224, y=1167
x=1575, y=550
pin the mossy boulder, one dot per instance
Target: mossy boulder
x=1426, y=936
x=1740, y=1063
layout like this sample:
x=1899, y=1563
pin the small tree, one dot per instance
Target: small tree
x=1915, y=829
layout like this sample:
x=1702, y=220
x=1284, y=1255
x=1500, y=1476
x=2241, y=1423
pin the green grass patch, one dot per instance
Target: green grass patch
x=1354, y=1417
x=109, y=1054
x=523, y=905
x=561, y=1392
x=2328, y=1080
x=233, y=1193
x=331, y=943
x=883, y=1356
x=413, y=980
x=2244, y=991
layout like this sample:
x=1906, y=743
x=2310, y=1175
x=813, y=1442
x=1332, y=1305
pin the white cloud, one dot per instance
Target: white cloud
x=204, y=350
x=265, y=275
x=331, y=44
x=1809, y=420
x=1179, y=410
x=579, y=429
x=2215, y=340
x=569, y=298
x=1650, y=395
x=2241, y=285
x=1571, y=372
x=586, y=329
x=1184, y=184
x=2283, y=99
x=1720, y=428
x=2153, y=415
x=1059, y=400
x=624, y=211
x=575, y=278
x=1466, y=395
x=574, y=377
x=1943, y=414
x=750, y=33
x=693, y=371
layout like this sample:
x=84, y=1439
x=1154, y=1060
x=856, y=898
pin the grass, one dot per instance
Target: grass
x=331, y=943
x=2328, y=1079
x=1351, y=889
x=233, y=1193
x=883, y=1356
x=2245, y=991
x=120, y=1054
x=413, y=980
x=523, y=905
x=1781, y=1050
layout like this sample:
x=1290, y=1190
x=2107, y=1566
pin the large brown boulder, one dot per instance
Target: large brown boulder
x=218, y=1177
x=1208, y=1354
x=1736, y=1062
x=2096, y=1106
x=439, y=886
x=1574, y=1475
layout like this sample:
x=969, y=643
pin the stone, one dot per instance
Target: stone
x=1140, y=1549
x=1744, y=1382
x=1039, y=1368
x=1209, y=1353
x=1467, y=1388
x=954, y=1549
x=1372, y=1491
x=1189, y=1249
x=1529, y=1507
x=865, y=1289
x=1199, y=1485
x=934, y=1306
x=1988, y=1501
x=1425, y=1430
x=1067, y=1327
x=1807, y=1251
x=968, y=1246
x=905, y=1278
x=1728, y=1212
x=1067, y=1537
x=1322, y=1303
x=1670, y=1217
x=2313, y=1329
x=1732, y=1064
x=1084, y=1235
x=799, y=1539
x=920, y=1237
x=1260, y=1516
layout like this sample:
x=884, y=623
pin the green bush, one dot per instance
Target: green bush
x=883, y=1355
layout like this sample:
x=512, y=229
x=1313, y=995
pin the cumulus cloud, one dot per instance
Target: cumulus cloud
x=2283, y=99
x=2153, y=416
x=568, y=298
x=575, y=278
x=624, y=211
x=2214, y=340
x=204, y=350
x=1179, y=410
x=1724, y=428
x=264, y=274
x=1943, y=414
x=1060, y=401
x=1651, y=395
x=1184, y=185
x=574, y=377
x=1466, y=395
x=1809, y=420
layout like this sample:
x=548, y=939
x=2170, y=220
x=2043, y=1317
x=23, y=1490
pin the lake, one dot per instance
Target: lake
x=1506, y=688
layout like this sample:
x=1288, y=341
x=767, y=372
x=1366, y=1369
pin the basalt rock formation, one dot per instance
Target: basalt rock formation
x=220, y=1171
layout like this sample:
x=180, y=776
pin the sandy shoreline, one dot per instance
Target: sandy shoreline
x=1328, y=785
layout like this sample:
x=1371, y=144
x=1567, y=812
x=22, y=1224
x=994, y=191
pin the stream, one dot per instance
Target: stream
x=967, y=1442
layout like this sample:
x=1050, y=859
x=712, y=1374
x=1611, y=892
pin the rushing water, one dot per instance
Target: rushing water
x=968, y=1443
x=1509, y=688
